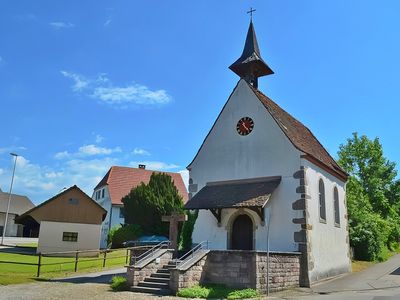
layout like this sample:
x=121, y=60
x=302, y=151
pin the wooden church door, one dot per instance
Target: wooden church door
x=242, y=233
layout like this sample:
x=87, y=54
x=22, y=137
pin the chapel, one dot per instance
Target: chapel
x=261, y=181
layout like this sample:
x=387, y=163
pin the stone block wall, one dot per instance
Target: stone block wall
x=284, y=271
x=186, y=278
x=241, y=269
x=136, y=274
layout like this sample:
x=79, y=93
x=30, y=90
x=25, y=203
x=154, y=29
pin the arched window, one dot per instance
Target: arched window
x=336, y=205
x=322, y=210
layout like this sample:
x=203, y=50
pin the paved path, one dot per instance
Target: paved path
x=12, y=241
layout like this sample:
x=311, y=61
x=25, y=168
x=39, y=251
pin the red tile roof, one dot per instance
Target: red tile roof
x=300, y=136
x=121, y=180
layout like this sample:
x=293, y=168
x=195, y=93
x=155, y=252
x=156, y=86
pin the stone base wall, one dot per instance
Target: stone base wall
x=241, y=269
x=183, y=279
x=135, y=275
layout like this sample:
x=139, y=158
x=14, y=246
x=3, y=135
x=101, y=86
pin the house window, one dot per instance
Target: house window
x=102, y=193
x=70, y=237
x=121, y=212
x=336, y=205
x=322, y=210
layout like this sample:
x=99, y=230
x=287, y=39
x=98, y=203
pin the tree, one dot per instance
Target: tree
x=373, y=194
x=147, y=203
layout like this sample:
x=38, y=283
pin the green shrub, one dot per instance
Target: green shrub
x=216, y=292
x=119, y=283
x=125, y=233
x=111, y=233
x=185, y=239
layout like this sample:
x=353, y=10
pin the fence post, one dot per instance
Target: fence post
x=76, y=260
x=39, y=264
x=105, y=258
x=127, y=253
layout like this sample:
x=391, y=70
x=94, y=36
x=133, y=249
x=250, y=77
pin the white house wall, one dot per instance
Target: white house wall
x=51, y=235
x=324, y=249
x=112, y=215
x=12, y=228
x=266, y=151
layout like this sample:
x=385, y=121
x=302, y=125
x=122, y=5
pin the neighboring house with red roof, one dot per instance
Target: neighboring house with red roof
x=116, y=184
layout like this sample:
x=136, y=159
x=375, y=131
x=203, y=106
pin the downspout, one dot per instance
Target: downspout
x=269, y=222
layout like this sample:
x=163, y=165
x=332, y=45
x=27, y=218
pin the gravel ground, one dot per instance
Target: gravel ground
x=63, y=290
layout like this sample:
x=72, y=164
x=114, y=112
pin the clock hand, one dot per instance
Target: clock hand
x=244, y=125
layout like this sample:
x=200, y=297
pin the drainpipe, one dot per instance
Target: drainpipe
x=269, y=222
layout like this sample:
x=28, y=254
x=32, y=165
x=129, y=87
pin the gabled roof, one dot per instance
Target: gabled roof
x=18, y=205
x=22, y=217
x=253, y=192
x=120, y=181
x=298, y=134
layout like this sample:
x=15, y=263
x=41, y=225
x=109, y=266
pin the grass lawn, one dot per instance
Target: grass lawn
x=14, y=273
x=216, y=292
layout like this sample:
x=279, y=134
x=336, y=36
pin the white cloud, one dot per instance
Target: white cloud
x=61, y=25
x=40, y=182
x=136, y=93
x=103, y=90
x=140, y=151
x=99, y=138
x=80, y=82
x=154, y=165
x=62, y=155
x=95, y=150
x=108, y=22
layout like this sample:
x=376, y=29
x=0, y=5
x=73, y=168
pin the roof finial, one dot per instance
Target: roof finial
x=251, y=13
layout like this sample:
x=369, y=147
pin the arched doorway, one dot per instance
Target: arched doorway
x=242, y=233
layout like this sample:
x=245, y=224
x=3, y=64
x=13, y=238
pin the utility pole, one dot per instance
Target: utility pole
x=9, y=198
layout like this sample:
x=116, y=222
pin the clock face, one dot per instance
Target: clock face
x=245, y=125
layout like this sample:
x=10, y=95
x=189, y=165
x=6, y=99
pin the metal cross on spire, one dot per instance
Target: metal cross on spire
x=251, y=13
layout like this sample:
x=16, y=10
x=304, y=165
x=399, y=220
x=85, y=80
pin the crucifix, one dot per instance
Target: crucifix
x=173, y=220
x=251, y=13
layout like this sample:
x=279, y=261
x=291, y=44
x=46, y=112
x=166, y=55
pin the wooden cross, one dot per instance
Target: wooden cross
x=173, y=220
x=251, y=13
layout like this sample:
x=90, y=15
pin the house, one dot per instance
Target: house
x=116, y=184
x=263, y=182
x=69, y=221
x=18, y=205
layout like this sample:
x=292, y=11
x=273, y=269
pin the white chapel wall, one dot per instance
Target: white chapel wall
x=329, y=249
x=266, y=151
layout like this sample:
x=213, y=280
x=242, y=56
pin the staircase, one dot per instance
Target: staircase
x=157, y=283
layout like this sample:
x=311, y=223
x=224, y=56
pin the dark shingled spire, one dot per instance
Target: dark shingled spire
x=250, y=65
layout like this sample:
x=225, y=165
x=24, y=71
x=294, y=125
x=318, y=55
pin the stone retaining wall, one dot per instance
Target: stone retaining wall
x=135, y=274
x=241, y=269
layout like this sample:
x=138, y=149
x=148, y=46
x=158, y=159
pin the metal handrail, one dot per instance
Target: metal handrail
x=151, y=251
x=190, y=254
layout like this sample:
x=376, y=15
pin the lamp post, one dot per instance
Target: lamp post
x=9, y=199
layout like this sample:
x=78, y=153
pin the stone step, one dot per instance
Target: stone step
x=149, y=290
x=160, y=275
x=158, y=285
x=164, y=271
x=169, y=266
x=155, y=279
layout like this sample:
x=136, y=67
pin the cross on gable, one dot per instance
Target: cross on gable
x=174, y=220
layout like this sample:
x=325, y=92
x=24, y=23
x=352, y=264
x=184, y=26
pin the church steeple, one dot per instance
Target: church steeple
x=250, y=65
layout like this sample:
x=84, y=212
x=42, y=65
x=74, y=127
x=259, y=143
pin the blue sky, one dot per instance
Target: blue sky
x=89, y=84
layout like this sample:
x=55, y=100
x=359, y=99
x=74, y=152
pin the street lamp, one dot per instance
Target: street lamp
x=9, y=199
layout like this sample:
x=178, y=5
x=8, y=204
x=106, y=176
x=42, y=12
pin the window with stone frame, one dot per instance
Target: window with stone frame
x=102, y=193
x=322, y=206
x=336, y=206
